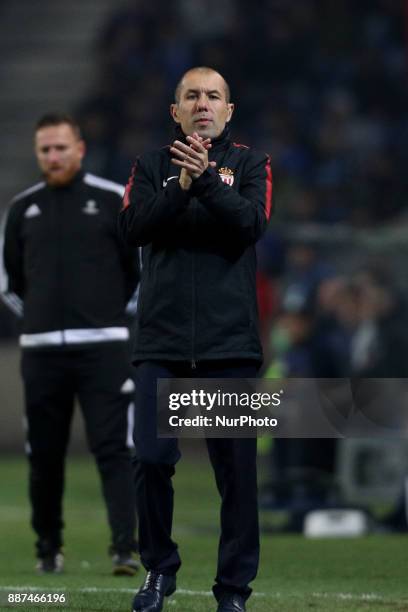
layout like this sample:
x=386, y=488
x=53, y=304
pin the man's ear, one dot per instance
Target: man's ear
x=174, y=112
x=82, y=148
x=231, y=107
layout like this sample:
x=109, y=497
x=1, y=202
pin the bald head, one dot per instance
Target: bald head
x=203, y=70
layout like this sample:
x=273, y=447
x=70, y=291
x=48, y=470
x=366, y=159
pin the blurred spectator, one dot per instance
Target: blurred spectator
x=304, y=271
x=380, y=339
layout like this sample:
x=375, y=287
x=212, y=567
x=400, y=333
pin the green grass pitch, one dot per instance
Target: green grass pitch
x=296, y=575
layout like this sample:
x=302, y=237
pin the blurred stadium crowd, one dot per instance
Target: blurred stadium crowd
x=321, y=85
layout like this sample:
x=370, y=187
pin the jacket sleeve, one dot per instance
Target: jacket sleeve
x=131, y=263
x=129, y=258
x=245, y=212
x=145, y=209
x=11, y=261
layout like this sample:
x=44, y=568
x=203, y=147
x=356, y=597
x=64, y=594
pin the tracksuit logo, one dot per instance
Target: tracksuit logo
x=32, y=211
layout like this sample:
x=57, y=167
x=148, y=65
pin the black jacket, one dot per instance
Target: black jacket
x=198, y=289
x=65, y=267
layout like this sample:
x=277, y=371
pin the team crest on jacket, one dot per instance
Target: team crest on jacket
x=227, y=175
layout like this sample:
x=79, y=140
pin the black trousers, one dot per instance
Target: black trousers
x=52, y=379
x=234, y=464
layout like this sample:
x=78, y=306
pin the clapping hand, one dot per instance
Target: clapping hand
x=191, y=157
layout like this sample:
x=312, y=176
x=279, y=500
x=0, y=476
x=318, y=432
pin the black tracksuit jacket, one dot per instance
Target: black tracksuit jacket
x=65, y=264
x=197, y=297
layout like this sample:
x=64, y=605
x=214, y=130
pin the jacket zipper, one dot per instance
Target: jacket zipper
x=193, y=299
x=193, y=313
x=58, y=211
